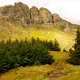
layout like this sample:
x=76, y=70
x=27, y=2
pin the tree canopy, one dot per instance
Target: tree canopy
x=75, y=53
x=26, y=53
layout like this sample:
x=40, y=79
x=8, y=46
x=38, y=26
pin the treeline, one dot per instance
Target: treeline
x=22, y=53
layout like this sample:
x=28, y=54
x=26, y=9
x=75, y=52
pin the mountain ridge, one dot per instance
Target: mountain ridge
x=18, y=21
x=22, y=15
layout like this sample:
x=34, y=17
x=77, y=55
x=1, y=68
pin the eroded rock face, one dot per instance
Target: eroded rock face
x=20, y=14
x=5, y=12
x=34, y=13
x=56, y=18
x=45, y=15
x=40, y=16
x=61, y=24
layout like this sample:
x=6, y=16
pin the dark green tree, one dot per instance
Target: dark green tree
x=25, y=52
x=75, y=53
x=56, y=46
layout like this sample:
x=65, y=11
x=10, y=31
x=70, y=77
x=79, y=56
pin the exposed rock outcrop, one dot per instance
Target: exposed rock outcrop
x=63, y=24
x=45, y=15
x=20, y=14
x=34, y=13
x=60, y=23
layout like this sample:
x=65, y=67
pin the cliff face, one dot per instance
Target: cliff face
x=62, y=24
x=22, y=15
x=34, y=15
x=19, y=13
x=45, y=15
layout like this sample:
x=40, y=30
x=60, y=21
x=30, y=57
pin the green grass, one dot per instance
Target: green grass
x=59, y=56
x=71, y=72
x=27, y=73
x=44, y=31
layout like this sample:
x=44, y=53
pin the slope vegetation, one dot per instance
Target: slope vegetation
x=44, y=31
x=45, y=72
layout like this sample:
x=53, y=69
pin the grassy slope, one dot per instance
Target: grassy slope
x=49, y=32
x=71, y=72
x=37, y=72
x=27, y=73
x=45, y=31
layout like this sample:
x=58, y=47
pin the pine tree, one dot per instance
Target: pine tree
x=56, y=46
x=75, y=54
x=22, y=53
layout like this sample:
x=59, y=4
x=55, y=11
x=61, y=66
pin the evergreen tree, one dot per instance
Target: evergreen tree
x=25, y=52
x=56, y=46
x=75, y=53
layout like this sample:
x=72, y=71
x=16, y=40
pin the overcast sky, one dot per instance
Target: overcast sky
x=67, y=9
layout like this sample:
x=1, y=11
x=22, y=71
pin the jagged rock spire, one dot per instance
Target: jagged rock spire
x=20, y=14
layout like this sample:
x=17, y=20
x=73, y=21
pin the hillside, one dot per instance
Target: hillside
x=45, y=72
x=18, y=21
x=22, y=15
x=44, y=31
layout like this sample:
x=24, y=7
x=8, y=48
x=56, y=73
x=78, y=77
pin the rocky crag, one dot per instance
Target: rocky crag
x=20, y=14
